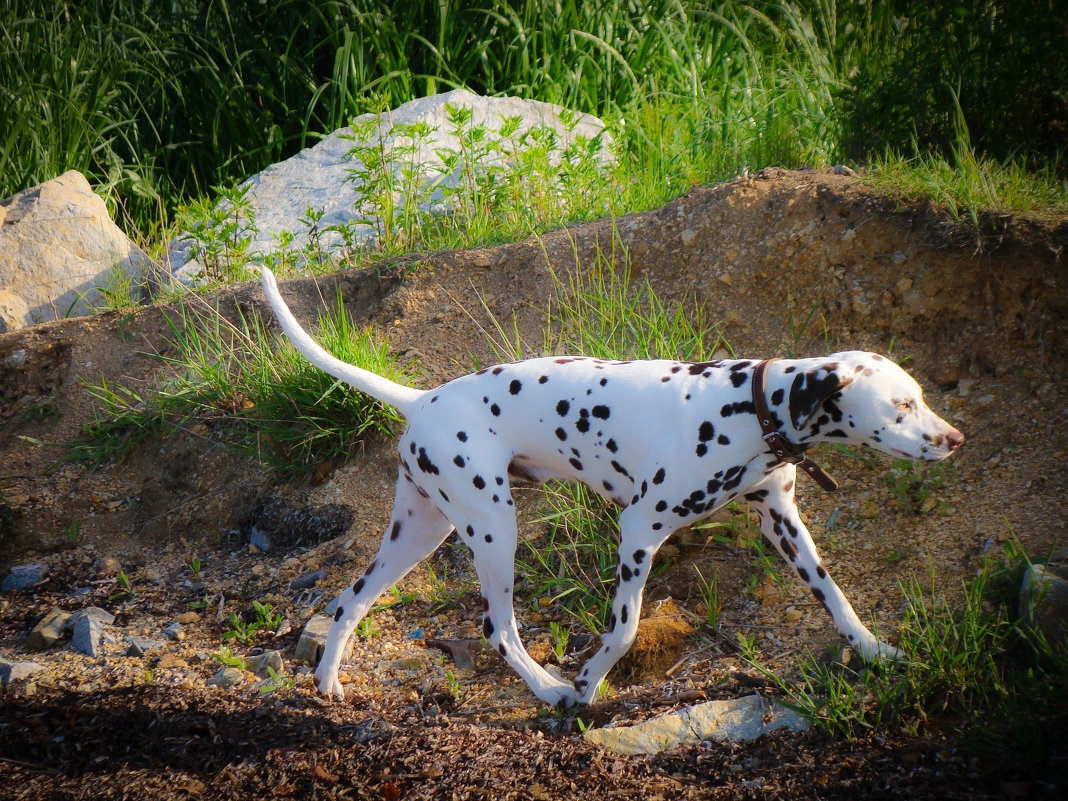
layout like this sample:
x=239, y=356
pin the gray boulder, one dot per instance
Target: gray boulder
x=58, y=246
x=324, y=177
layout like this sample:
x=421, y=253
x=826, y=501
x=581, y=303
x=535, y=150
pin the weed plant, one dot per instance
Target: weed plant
x=264, y=398
x=971, y=666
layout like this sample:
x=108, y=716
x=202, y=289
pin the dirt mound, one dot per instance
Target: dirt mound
x=793, y=263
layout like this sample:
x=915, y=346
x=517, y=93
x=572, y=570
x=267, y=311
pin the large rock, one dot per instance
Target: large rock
x=49, y=630
x=1044, y=602
x=737, y=719
x=57, y=246
x=322, y=177
x=11, y=671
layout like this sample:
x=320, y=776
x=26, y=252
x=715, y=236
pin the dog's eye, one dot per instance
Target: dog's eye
x=907, y=405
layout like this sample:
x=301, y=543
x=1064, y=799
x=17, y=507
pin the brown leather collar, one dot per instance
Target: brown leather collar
x=778, y=444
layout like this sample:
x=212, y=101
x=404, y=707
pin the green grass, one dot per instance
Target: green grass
x=255, y=393
x=970, y=667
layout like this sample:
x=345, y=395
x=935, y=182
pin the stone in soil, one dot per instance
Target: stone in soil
x=49, y=630
x=260, y=664
x=1044, y=603
x=227, y=677
x=86, y=637
x=95, y=612
x=737, y=719
x=313, y=639
x=174, y=631
x=11, y=671
x=308, y=580
x=139, y=646
x=22, y=577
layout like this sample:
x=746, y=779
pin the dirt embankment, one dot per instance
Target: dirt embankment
x=792, y=262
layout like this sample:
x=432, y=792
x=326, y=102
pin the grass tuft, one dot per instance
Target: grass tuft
x=253, y=389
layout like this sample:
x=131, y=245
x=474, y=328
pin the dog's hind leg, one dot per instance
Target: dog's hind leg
x=781, y=524
x=492, y=536
x=415, y=530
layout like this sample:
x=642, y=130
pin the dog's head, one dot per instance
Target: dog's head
x=866, y=399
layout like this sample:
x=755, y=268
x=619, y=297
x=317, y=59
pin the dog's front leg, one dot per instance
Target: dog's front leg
x=637, y=546
x=781, y=525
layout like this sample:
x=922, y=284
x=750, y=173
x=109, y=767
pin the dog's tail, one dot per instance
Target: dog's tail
x=376, y=386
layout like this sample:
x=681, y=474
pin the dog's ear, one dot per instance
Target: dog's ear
x=811, y=389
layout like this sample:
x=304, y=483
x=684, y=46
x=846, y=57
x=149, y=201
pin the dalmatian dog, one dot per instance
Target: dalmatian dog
x=669, y=442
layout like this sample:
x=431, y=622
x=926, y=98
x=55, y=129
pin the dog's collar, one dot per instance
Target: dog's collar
x=780, y=446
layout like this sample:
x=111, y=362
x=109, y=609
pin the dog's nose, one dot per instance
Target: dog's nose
x=954, y=439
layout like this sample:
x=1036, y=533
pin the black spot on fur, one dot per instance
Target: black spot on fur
x=543, y=379
x=425, y=464
x=601, y=412
x=338, y=613
x=738, y=407
x=620, y=469
x=817, y=593
x=777, y=396
x=639, y=555
x=737, y=379
x=495, y=410
x=722, y=439
x=479, y=482
x=611, y=445
x=575, y=463
x=625, y=574
x=661, y=506
x=487, y=627
x=358, y=586
x=701, y=449
x=396, y=530
x=821, y=572
x=460, y=435
x=562, y=408
x=583, y=425
x=706, y=431
x=470, y=531
x=514, y=387
x=623, y=614
x=803, y=575
x=459, y=461
x=489, y=538
x=502, y=649
x=561, y=434
x=659, y=477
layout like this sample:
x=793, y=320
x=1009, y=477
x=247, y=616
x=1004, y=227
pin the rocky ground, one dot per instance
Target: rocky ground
x=429, y=714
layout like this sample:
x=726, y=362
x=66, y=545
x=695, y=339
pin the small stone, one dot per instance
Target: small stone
x=688, y=237
x=86, y=637
x=259, y=540
x=11, y=671
x=49, y=630
x=307, y=580
x=103, y=616
x=227, y=677
x=725, y=279
x=106, y=566
x=188, y=617
x=22, y=577
x=405, y=663
x=139, y=646
x=313, y=640
x=260, y=664
x=171, y=660
x=793, y=614
x=174, y=631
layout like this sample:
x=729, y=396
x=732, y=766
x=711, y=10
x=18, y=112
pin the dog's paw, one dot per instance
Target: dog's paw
x=330, y=686
x=562, y=695
x=876, y=651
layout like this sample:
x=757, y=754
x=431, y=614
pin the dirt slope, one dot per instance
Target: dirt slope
x=982, y=322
